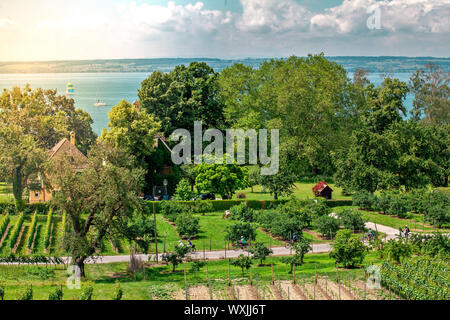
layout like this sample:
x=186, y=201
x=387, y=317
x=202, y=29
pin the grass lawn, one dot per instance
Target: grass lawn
x=301, y=191
x=140, y=287
x=415, y=223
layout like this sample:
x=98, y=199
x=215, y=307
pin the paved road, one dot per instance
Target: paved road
x=391, y=233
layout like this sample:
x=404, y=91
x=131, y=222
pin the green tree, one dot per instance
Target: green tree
x=242, y=262
x=187, y=225
x=280, y=184
x=183, y=191
x=20, y=159
x=430, y=86
x=224, y=179
x=302, y=247
x=176, y=257
x=327, y=226
x=260, y=251
x=348, y=250
x=352, y=220
x=133, y=130
x=234, y=232
x=182, y=96
x=396, y=250
x=98, y=201
x=31, y=122
x=140, y=230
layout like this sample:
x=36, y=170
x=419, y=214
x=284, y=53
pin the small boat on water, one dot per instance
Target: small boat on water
x=69, y=89
x=100, y=104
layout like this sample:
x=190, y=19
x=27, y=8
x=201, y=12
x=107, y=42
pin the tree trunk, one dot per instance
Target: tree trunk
x=18, y=189
x=79, y=262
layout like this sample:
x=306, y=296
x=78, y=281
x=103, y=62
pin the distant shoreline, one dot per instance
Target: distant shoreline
x=374, y=64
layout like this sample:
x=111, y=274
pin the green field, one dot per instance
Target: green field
x=301, y=191
x=140, y=286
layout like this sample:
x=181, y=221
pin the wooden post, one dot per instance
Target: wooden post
x=314, y=290
x=210, y=244
x=165, y=244
x=315, y=272
x=229, y=274
x=185, y=284
x=207, y=276
x=337, y=277
x=294, y=273
x=289, y=297
x=225, y=249
x=251, y=275
x=204, y=253
x=156, y=233
x=273, y=281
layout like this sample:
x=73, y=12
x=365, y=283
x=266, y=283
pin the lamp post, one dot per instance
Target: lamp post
x=165, y=183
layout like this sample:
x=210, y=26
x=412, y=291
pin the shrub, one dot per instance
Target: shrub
x=27, y=295
x=364, y=200
x=56, y=294
x=2, y=293
x=348, y=250
x=241, y=195
x=437, y=215
x=260, y=251
x=382, y=203
x=4, y=225
x=234, y=232
x=197, y=265
x=327, y=226
x=187, y=225
x=399, y=207
x=396, y=250
x=118, y=292
x=242, y=262
x=88, y=292
x=32, y=231
x=170, y=210
x=352, y=219
x=183, y=191
x=242, y=212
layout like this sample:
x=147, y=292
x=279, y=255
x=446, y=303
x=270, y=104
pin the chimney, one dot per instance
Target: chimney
x=72, y=138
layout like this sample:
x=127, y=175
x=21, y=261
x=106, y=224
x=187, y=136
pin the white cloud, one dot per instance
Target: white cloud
x=272, y=16
x=5, y=22
x=410, y=16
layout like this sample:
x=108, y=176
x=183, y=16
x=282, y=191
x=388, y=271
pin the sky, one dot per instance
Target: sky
x=37, y=30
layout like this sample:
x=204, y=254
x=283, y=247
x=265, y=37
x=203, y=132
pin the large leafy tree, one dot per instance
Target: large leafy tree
x=133, y=130
x=224, y=179
x=185, y=95
x=430, y=86
x=32, y=121
x=308, y=99
x=20, y=158
x=99, y=201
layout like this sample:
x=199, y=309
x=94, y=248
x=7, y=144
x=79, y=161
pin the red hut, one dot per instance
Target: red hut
x=322, y=189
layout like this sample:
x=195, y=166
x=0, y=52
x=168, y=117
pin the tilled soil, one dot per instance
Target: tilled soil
x=199, y=293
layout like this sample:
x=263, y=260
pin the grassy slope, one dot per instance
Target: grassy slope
x=16, y=279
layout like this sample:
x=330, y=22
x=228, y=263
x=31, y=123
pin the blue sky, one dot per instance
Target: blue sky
x=106, y=29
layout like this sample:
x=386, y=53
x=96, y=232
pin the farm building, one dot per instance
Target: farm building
x=39, y=193
x=322, y=189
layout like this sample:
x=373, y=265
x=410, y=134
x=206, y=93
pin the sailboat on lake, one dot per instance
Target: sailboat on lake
x=69, y=89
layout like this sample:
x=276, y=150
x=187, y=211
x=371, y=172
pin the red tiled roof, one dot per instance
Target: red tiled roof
x=319, y=187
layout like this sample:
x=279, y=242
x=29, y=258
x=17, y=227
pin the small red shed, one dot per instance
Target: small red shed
x=322, y=189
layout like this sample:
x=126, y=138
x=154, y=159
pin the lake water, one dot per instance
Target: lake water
x=109, y=87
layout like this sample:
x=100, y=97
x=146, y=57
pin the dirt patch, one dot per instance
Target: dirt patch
x=314, y=292
x=291, y=291
x=199, y=293
x=246, y=292
x=333, y=289
x=19, y=238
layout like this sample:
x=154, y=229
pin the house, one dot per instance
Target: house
x=322, y=189
x=39, y=193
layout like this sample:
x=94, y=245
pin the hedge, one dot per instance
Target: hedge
x=30, y=209
x=221, y=205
